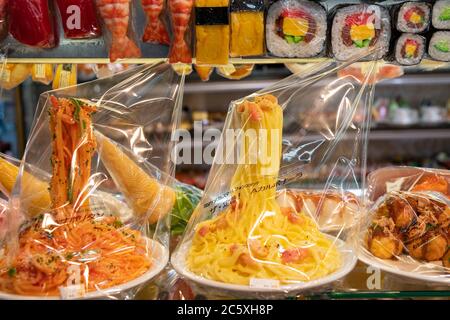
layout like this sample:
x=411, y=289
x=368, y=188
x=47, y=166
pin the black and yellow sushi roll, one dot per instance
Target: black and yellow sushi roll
x=413, y=17
x=247, y=28
x=212, y=32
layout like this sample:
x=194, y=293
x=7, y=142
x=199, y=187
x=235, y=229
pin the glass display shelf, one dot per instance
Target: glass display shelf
x=363, y=282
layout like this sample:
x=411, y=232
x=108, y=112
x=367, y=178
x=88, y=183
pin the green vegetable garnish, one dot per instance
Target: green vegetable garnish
x=289, y=39
x=69, y=256
x=78, y=104
x=187, y=200
x=70, y=193
x=117, y=224
x=430, y=226
x=445, y=14
x=362, y=43
x=12, y=272
x=293, y=39
x=442, y=46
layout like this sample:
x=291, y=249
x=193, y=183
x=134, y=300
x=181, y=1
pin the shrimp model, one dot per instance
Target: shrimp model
x=116, y=14
x=180, y=16
x=155, y=31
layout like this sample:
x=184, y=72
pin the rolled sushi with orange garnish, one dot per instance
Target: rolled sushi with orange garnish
x=359, y=28
x=409, y=49
x=413, y=17
x=296, y=28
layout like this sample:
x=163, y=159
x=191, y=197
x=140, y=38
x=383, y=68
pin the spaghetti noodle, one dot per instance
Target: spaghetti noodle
x=254, y=237
x=70, y=246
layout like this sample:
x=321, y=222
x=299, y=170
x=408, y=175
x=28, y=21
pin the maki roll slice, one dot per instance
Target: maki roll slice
x=296, y=28
x=441, y=15
x=439, y=47
x=413, y=17
x=409, y=49
x=357, y=28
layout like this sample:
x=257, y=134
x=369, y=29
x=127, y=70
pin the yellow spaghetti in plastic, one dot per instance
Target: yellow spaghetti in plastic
x=254, y=237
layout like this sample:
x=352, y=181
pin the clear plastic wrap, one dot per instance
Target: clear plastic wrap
x=406, y=231
x=12, y=74
x=248, y=236
x=235, y=71
x=296, y=28
x=90, y=209
x=3, y=212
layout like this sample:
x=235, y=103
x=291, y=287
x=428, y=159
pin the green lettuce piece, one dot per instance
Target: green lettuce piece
x=445, y=14
x=362, y=43
x=442, y=46
x=289, y=39
x=187, y=199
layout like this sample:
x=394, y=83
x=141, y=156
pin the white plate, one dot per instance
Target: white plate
x=406, y=267
x=349, y=260
x=159, y=261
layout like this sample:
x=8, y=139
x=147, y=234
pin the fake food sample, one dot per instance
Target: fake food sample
x=412, y=224
x=296, y=28
x=247, y=28
x=69, y=239
x=212, y=32
x=254, y=237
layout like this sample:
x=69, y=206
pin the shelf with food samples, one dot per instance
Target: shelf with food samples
x=398, y=258
x=218, y=33
x=364, y=282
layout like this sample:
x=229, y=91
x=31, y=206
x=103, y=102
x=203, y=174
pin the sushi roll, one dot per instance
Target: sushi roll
x=409, y=49
x=441, y=14
x=439, y=47
x=358, y=28
x=296, y=28
x=413, y=17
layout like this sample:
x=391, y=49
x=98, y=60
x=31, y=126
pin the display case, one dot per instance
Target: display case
x=410, y=125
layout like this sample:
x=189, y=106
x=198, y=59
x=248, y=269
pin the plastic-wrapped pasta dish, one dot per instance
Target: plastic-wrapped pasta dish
x=244, y=235
x=78, y=227
x=240, y=243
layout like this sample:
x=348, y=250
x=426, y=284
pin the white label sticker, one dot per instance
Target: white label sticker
x=72, y=292
x=39, y=70
x=264, y=283
x=64, y=81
